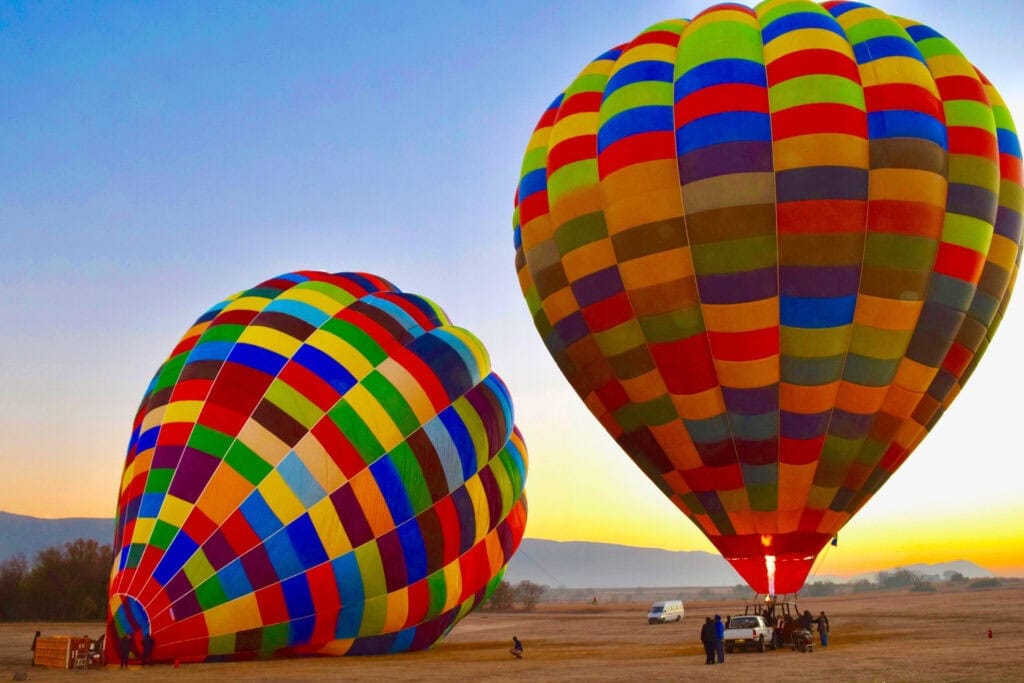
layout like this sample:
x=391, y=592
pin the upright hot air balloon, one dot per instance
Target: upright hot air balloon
x=323, y=465
x=767, y=247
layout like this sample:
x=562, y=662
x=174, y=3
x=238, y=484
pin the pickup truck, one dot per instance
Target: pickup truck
x=748, y=632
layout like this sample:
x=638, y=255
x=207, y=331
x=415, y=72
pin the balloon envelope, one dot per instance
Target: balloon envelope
x=323, y=465
x=767, y=247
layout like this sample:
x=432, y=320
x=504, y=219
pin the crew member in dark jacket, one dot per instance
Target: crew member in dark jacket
x=707, y=639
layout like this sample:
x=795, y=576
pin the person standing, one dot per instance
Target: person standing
x=147, y=649
x=707, y=639
x=719, y=640
x=822, y=628
x=124, y=649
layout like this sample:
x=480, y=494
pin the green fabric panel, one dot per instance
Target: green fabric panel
x=198, y=569
x=571, y=177
x=900, y=251
x=873, y=342
x=967, y=231
x=639, y=94
x=222, y=333
x=397, y=407
x=275, y=637
x=437, y=588
x=580, y=231
x=163, y=534
x=969, y=113
x=245, y=461
x=169, y=372
x=814, y=342
x=209, y=440
x=412, y=477
x=876, y=28
x=357, y=431
x=210, y=593
x=222, y=644
x=717, y=40
x=735, y=256
x=681, y=323
x=359, y=339
x=293, y=403
x=330, y=290
x=817, y=88
x=159, y=480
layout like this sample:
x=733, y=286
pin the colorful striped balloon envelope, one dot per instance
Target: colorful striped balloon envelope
x=323, y=465
x=767, y=247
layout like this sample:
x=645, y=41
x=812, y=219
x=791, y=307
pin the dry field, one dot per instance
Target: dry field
x=875, y=637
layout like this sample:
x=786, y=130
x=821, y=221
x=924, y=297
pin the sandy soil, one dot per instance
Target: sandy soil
x=875, y=637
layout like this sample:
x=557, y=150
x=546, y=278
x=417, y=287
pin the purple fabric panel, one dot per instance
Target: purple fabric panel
x=825, y=281
x=597, y=286
x=193, y=474
x=732, y=288
x=752, y=401
x=726, y=158
x=801, y=426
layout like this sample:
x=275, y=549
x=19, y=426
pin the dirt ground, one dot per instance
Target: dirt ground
x=901, y=636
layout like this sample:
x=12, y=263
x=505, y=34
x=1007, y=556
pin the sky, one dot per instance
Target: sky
x=158, y=157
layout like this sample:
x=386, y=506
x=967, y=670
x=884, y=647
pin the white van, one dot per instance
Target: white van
x=667, y=610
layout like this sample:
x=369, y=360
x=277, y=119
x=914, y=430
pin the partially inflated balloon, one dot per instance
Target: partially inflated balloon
x=323, y=465
x=767, y=247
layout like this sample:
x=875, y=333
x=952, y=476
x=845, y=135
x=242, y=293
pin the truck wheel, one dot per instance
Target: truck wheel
x=760, y=644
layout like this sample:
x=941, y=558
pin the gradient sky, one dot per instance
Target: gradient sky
x=157, y=157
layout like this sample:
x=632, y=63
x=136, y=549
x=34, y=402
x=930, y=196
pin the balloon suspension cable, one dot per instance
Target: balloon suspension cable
x=819, y=561
x=521, y=553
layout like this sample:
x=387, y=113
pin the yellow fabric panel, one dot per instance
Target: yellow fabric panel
x=223, y=494
x=644, y=387
x=943, y=66
x=886, y=314
x=734, y=501
x=741, y=317
x=815, y=343
x=903, y=70
x=914, y=376
x=316, y=299
x=256, y=437
x=588, y=259
x=313, y=455
x=807, y=400
x=700, y=406
x=573, y=126
x=183, y=411
x=655, y=269
x=725, y=191
x=269, y=338
x=239, y=614
x=560, y=305
x=820, y=497
x=410, y=389
x=641, y=194
x=453, y=585
x=247, y=303
x=576, y=202
x=372, y=503
x=198, y=569
x=280, y=499
x=375, y=611
x=1002, y=252
x=375, y=416
x=805, y=39
x=655, y=52
x=748, y=374
x=820, y=149
x=475, y=347
x=337, y=648
x=397, y=610
x=143, y=529
x=341, y=351
x=175, y=511
x=478, y=498
x=862, y=400
x=536, y=231
x=924, y=187
x=721, y=14
x=328, y=529
x=909, y=433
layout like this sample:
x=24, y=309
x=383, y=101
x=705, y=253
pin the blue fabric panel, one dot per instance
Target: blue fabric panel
x=258, y=358
x=181, y=549
x=350, y=589
x=639, y=72
x=298, y=309
x=305, y=487
x=1008, y=142
x=648, y=119
x=282, y=555
x=392, y=488
x=147, y=439
x=259, y=515
x=533, y=182
x=300, y=631
x=149, y=505
x=719, y=72
x=816, y=313
x=435, y=350
x=210, y=350
x=906, y=124
x=414, y=550
x=403, y=639
x=297, y=597
x=844, y=7
x=234, y=580
x=886, y=46
x=797, y=21
x=735, y=126
x=921, y=32
x=306, y=542
x=325, y=367
x=462, y=440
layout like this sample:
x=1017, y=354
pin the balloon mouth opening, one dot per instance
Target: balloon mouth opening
x=128, y=615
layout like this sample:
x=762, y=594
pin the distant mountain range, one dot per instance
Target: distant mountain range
x=562, y=564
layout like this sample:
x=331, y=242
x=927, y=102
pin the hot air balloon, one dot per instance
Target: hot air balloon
x=323, y=465
x=767, y=247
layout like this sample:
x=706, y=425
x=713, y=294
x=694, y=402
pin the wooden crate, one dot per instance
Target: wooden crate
x=59, y=652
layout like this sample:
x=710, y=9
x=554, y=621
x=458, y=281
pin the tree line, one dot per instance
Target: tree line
x=506, y=595
x=65, y=583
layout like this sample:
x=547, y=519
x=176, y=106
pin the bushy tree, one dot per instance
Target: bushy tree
x=66, y=583
x=529, y=593
x=13, y=573
x=503, y=597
